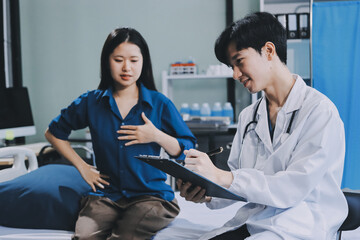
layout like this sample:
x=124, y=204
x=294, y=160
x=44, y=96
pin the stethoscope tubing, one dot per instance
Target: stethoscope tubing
x=254, y=121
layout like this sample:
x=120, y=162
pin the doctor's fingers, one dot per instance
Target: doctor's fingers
x=199, y=160
x=193, y=153
x=183, y=187
x=197, y=195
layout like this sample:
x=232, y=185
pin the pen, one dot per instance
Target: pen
x=215, y=151
x=209, y=153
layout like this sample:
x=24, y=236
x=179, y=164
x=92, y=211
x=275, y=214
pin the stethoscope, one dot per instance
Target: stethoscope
x=254, y=121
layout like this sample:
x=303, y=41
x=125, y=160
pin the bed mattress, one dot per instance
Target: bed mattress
x=193, y=220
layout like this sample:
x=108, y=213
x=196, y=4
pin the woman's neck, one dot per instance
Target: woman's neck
x=131, y=92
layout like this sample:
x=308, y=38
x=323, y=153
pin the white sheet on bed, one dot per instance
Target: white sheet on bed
x=192, y=222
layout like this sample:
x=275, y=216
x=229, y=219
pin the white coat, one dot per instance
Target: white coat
x=292, y=184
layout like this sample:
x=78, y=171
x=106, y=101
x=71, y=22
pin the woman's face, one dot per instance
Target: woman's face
x=126, y=63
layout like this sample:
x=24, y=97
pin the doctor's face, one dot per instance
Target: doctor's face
x=249, y=67
x=126, y=63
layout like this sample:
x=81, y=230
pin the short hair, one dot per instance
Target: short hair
x=253, y=31
x=114, y=39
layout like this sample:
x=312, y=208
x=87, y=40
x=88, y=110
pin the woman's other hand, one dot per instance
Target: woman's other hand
x=93, y=177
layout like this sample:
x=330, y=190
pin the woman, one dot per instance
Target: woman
x=126, y=117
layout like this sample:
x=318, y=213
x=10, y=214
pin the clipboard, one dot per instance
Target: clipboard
x=177, y=170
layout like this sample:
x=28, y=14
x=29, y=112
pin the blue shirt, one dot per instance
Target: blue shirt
x=129, y=177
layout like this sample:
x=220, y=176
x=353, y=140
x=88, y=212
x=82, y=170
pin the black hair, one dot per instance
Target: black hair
x=114, y=39
x=253, y=31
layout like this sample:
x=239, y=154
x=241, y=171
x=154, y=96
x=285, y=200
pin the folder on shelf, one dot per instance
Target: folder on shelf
x=282, y=19
x=304, y=29
x=178, y=171
x=292, y=26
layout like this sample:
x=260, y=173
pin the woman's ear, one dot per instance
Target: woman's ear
x=269, y=50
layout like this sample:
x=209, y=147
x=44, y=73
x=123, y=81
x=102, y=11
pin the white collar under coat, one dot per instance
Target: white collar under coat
x=293, y=103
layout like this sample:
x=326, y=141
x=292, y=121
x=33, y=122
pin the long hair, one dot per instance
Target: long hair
x=252, y=31
x=114, y=39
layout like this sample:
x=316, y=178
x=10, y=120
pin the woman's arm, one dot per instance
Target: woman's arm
x=88, y=172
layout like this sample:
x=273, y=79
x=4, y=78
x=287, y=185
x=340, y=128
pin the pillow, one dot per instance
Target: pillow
x=46, y=198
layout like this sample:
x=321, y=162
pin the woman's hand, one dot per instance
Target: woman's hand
x=139, y=133
x=93, y=177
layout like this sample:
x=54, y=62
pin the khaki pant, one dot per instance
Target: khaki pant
x=136, y=218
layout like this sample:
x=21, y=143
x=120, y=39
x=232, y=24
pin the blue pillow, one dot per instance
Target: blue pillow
x=47, y=198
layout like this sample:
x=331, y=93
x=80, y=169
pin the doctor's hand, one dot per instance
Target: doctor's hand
x=196, y=194
x=139, y=133
x=200, y=163
x=92, y=176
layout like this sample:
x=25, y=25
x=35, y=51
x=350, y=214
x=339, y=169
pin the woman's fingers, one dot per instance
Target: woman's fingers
x=128, y=127
x=104, y=176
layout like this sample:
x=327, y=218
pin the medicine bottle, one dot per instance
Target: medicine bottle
x=195, y=109
x=228, y=111
x=205, y=110
x=216, y=110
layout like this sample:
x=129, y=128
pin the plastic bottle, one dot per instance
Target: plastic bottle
x=195, y=109
x=185, y=111
x=228, y=111
x=205, y=110
x=216, y=111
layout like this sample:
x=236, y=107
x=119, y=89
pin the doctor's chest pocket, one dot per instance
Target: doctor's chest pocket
x=250, y=150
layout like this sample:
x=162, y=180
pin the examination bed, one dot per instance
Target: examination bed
x=33, y=211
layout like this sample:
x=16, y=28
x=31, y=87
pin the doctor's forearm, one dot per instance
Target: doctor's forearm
x=224, y=178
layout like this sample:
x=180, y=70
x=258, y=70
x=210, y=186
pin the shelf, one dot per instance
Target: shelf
x=167, y=80
x=284, y=1
x=299, y=40
x=197, y=76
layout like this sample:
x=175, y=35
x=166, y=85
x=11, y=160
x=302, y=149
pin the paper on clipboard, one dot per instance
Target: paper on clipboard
x=178, y=171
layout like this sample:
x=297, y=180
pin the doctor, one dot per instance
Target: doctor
x=287, y=156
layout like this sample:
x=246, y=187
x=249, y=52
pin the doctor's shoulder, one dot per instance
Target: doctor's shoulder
x=317, y=101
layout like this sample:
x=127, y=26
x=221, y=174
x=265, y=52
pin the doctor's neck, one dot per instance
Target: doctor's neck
x=280, y=87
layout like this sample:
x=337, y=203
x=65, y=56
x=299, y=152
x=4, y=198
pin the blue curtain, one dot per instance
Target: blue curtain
x=336, y=72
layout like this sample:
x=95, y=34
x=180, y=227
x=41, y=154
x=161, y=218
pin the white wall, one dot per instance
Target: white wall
x=61, y=42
